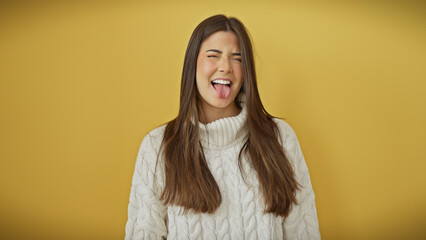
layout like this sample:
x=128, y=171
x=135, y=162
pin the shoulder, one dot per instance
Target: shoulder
x=290, y=143
x=286, y=131
x=153, y=139
x=147, y=177
x=148, y=154
x=149, y=149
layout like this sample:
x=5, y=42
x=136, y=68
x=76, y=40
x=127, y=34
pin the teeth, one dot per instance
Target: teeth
x=222, y=82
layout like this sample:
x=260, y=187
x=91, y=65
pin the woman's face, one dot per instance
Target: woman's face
x=219, y=71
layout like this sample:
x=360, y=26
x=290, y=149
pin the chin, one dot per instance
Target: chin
x=222, y=104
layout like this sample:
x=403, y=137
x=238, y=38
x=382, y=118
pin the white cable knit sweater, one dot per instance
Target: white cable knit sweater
x=241, y=213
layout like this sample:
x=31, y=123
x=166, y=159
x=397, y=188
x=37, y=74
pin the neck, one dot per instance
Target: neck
x=210, y=114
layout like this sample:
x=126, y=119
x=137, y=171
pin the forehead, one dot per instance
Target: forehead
x=222, y=41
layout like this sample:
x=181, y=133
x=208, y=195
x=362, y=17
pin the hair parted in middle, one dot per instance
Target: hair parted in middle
x=188, y=180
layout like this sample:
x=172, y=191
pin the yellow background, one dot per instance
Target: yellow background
x=82, y=83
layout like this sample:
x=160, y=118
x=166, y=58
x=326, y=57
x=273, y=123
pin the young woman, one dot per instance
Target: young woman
x=224, y=168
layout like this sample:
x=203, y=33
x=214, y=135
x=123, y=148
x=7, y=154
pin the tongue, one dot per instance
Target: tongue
x=222, y=90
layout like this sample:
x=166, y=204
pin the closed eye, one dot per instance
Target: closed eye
x=212, y=56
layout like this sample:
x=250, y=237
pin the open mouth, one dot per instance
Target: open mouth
x=222, y=87
x=222, y=82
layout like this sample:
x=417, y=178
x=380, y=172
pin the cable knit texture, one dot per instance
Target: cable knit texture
x=241, y=213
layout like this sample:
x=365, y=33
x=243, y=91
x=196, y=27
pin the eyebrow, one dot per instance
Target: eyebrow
x=218, y=51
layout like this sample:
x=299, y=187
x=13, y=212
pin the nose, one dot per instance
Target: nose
x=224, y=65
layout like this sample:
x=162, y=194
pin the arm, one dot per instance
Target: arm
x=146, y=213
x=302, y=222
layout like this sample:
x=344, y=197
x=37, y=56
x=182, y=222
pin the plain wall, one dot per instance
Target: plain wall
x=82, y=83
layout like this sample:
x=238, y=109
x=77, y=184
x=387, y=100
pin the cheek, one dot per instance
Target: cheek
x=204, y=66
x=238, y=72
x=205, y=70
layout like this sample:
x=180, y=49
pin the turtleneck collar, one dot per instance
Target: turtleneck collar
x=223, y=132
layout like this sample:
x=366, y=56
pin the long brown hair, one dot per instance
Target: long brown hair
x=188, y=180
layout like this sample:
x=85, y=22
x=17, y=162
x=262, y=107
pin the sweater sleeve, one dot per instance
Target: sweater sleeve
x=146, y=213
x=302, y=222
